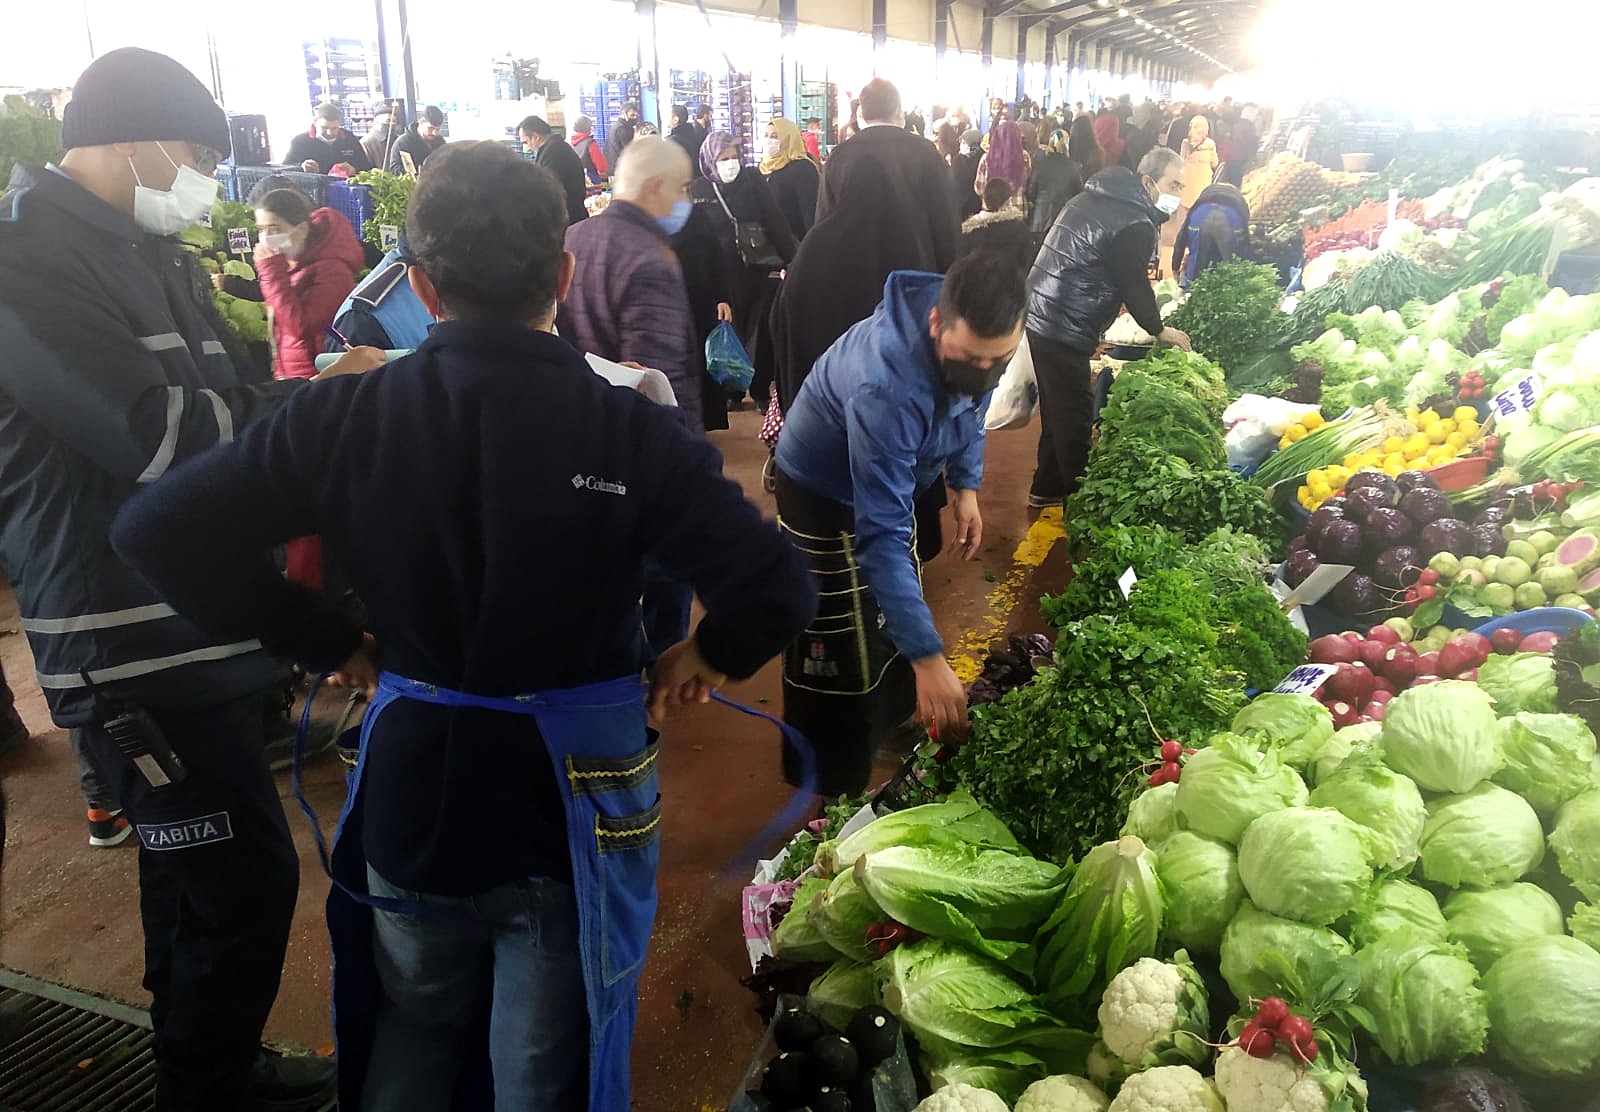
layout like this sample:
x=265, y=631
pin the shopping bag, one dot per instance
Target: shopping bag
x=726, y=358
x=772, y=423
x=1017, y=394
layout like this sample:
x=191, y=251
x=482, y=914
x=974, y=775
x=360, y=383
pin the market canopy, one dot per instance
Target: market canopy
x=1208, y=36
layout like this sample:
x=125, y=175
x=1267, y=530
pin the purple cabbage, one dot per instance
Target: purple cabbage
x=1340, y=543
x=1486, y=540
x=1299, y=544
x=1409, y=481
x=1334, y=509
x=1396, y=567
x=1357, y=596
x=1448, y=534
x=1496, y=515
x=1374, y=480
x=1365, y=500
x=1425, y=504
x=1299, y=566
x=1387, y=527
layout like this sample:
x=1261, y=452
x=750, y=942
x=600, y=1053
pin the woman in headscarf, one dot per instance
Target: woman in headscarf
x=731, y=192
x=1006, y=159
x=964, y=171
x=1199, y=160
x=1108, y=136
x=791, y=175
x=1083, y=148
x=1055, y=180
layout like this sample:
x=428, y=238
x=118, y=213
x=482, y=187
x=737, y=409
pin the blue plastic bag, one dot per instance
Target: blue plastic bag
x=726, y=358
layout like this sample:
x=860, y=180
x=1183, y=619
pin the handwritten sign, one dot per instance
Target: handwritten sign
x=389, y=237
x=1305, y=679
x=1520, y=398
x=238, y=241
x=205, y=219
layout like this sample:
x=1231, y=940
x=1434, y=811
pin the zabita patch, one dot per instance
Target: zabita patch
x=198, y=831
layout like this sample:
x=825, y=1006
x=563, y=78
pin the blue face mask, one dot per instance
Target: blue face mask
x=673, y=222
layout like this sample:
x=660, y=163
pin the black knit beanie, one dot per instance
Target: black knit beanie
x=133, y=95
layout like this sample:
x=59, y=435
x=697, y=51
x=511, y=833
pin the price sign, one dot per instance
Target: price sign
x=1126, y=581
x=238, y=241
x=1520, y=398
x=1305, y=679
x=389, y=237
x=205, y=219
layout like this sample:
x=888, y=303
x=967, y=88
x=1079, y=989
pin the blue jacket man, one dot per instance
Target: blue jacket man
x=898, y=400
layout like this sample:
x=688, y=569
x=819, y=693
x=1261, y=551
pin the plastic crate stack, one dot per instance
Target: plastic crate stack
x=343, y=71
x=353, y=201
x=733, y=109
x=238, y=181
x=689, y=88
x=817, y=100
x=602, y=102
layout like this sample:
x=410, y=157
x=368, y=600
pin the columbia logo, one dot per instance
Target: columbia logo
x=604, y=486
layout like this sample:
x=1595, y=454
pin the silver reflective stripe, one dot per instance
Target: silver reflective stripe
x=166, y=341
x=108, y=620
x=212, y=347
x=169, y=442
x=224, y=415
x=129, y=671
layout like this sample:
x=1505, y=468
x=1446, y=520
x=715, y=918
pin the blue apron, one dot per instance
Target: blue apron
x=605, y=763
x=604, y=754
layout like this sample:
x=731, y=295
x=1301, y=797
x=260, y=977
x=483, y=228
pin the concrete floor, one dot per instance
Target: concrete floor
x=69, y=913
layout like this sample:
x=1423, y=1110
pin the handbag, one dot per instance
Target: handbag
x=750, y=238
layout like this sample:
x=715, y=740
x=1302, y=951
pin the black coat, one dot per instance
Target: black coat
x=328, y=153
x=414, y=145
x=687, y=136
x=1055, y=180
x=964, y=181
x=917, y=181
x=795, y=187
x=562, y=161
x=1072, y=297
x=698, y=246
x=1003, y=233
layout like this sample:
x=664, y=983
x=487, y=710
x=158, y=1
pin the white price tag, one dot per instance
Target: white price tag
x=238, y=241
x=1126, y=581
x=1306, y=679
x=205, y=219
x=389, y=237
x=1520, y=398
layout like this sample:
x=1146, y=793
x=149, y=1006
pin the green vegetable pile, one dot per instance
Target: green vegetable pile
x=391, y=193
x=1231, y=314
x=27, y=134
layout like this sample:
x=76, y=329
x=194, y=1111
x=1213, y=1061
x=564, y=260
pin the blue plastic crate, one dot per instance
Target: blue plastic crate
x=238, y=181
x=352, y=201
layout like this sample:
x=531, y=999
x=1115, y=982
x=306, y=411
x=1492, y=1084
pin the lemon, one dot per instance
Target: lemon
x=1312, y=421
x=1394, y=461
x=1416, y=444
x=1465, y=413
x=1337, y=476
x=1456, y=441
x=1394, y=444
x=1427, y=420
x=1439, y=432
x=1470, y=429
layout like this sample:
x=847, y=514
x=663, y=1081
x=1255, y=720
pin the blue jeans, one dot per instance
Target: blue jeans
x=511, y=952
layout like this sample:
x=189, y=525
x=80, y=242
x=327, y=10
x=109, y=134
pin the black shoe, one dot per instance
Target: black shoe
x=288, y=1084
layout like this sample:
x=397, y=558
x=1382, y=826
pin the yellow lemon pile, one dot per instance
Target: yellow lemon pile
x=1435, y=440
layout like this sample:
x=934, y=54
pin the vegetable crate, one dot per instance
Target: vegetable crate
x=894, y=1086
x=353, y=202
x=238, y=181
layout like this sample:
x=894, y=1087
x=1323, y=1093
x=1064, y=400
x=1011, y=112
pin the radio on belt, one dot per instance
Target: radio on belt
x=140, y=739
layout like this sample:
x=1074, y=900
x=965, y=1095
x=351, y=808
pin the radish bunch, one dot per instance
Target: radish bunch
x=1273, y=1025
x=1170, y=770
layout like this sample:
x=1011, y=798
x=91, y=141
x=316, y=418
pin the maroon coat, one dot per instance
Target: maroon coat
x=628, y=302
x=304, y=293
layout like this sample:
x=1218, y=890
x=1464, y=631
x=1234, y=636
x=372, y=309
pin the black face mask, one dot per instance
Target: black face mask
x=969, y=379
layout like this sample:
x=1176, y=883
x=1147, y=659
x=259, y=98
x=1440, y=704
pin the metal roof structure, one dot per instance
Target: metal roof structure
x=1202, y=37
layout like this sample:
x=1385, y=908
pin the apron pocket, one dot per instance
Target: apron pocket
x=629, y=848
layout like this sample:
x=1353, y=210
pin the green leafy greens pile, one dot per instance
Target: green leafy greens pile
x=391, y=193
x=1232, y=313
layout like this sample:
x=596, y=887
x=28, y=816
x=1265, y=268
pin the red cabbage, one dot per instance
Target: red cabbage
x=1448, y=534
x=1396, y=567
x=1373, y=480
x=1387, y=527
x=1497, y=514
x=1487, y=540
x=1365, y=500
x=1340, y=543
x=1425, y=504
x=1409, y=481
x=1299, y=566
x=1357, y=596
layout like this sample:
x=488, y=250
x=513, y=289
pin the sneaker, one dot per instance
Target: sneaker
x=107, y=828
x=1044, y=501
x=288, y=1084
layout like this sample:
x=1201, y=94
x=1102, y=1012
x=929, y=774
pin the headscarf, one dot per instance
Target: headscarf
x=1006, y=155
x=1108, y=134
x=1058, y=141
x=1083, y=148
x=791, y=146
x=972, y=138
x=1203, y=125
x=715, y=144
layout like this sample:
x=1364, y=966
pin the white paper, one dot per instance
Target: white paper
x=1126, y=581
x=1317, y=585
x=649, y=382
x=1520, y=398
x=1306, y=679
x=388, y=236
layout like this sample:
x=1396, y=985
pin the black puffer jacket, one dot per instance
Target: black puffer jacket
x=1055, y=180
x=1072, y=297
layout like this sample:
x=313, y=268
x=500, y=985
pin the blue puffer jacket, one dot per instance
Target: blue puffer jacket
x=111, y=373
x=1072, y=298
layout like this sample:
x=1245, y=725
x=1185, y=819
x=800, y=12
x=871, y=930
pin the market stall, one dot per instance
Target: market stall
x=1301, y=808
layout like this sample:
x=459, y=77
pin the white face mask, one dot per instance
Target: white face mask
x=1169, y=203
x=281, y=241
x=774, y=147
x=728, y=171
x=165, y=212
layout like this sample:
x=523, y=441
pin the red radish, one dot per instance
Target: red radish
x=1424, y=680
x=1272, y=1012
x=1160, y=776
x=1542, y=642
x=1171, y=750
x=1383, y=685
x=1334, y=649
x=1374, y=711
x=1257, y=1041
x=1469, y=676
x=1385, y=634
x=1372, y=654
x=1343, y=714
x=1477, y=642
x=1399, y=664
x=1352, y=682
x=1383, y=697
x=1351, y=635
x=1306, y=1052
x=1426, y=592
x=1188, y=749
x=1428, y=578
x=1172, y=768
x=1456, y=658
x=1505, y=640
x=1428, y=663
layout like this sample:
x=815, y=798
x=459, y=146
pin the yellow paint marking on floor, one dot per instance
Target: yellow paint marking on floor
x=1042, y=535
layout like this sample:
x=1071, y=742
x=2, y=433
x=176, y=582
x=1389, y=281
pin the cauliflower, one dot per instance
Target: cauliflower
x=1280, y=1084
x=1063, y=1093
x=962, y=1098
x=1154, y=1013
x=1168, y=1089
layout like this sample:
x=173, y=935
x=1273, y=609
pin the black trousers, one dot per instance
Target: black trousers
x=1066, y=416
x=218, y=875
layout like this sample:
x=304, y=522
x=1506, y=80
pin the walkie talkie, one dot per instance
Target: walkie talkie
x=140, y=738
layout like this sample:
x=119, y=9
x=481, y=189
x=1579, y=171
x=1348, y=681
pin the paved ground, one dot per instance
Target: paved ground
x=69, y=913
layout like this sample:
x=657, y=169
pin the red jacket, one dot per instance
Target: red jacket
x=303, y=294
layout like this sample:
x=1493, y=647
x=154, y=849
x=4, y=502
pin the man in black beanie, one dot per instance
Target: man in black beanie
x=112, y=373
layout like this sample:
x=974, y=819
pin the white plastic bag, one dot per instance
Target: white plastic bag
x=1017, y=396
